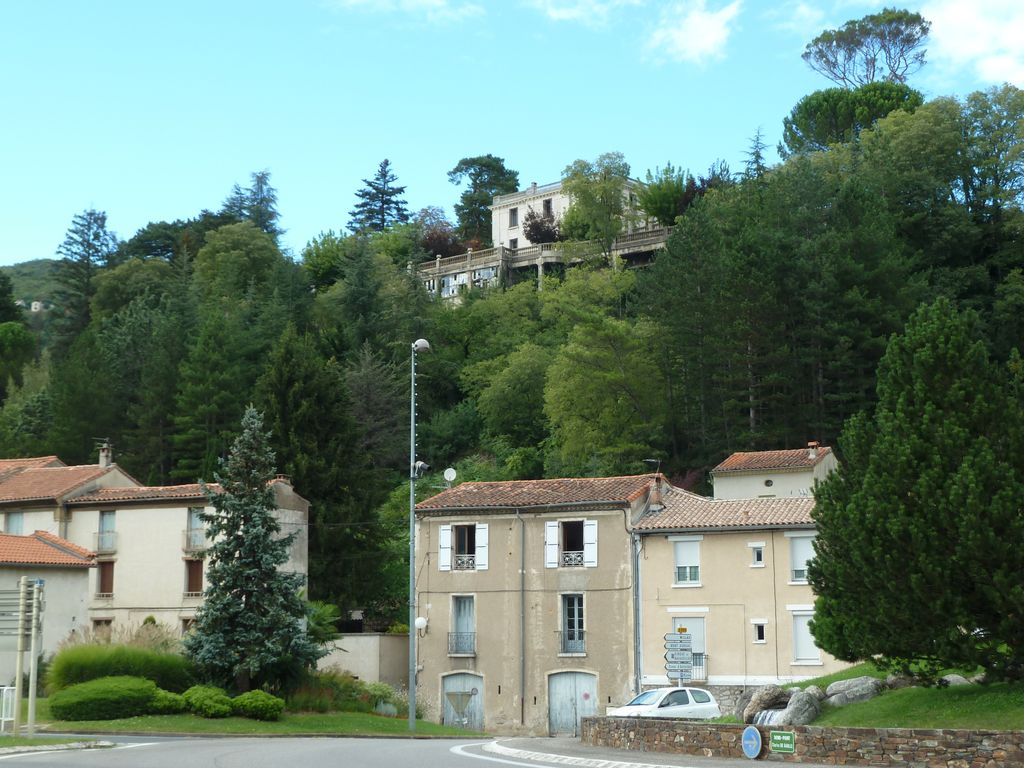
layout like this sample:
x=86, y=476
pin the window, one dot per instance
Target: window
x=187, y=625
x=687, y=551
x=469, y=542
x=699, y=696
x=572, y=625
x=106, y=537
x=193, y=578
x=801, y=551
x=462, y=640
x=195, y=534
x=570, y=544
x=14, y=523
x=105, y=578
x=548, y=209
x=101, y=627
x=675, y=699
x=513, y=217
x=760, y=627
x=756, y=554
x=804, y=649
x=513, y=243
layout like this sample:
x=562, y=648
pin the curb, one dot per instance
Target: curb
x=585, y=762
x=56, y=747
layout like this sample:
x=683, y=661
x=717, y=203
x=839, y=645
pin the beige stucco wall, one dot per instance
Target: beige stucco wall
x=513, y=703
x=732, y=592
x=371, y=657
x=751, y=485
x=524, y=200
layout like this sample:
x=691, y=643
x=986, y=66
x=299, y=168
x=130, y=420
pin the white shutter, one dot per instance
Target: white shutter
x=444, y=550
x=590, y=543
x=804, y=648
x=551, y=544
x=802, y=551
x=481, y=546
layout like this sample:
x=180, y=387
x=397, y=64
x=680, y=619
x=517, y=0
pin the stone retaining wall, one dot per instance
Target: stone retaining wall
x=833, y=746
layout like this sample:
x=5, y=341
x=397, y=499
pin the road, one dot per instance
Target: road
x=170, y=752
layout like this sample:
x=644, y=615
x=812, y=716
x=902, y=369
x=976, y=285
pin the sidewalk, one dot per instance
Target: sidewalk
x=569, y=751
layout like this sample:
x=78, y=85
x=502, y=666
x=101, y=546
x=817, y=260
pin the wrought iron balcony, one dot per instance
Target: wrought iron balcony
x=573, y=641
x=572, y=559
x=462, y=643
x=193, y=540
x=465, y=562
x=105, y=542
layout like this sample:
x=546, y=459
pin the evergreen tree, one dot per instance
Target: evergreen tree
x=249, y=631
x=918, y=557
x=256, y=204
x=487, y=177
x=380, y=203
x=9, y=311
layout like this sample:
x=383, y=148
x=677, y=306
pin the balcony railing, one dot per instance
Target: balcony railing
x=462, y=643
x=105, y=542
x=465, y=562
x=572, y=559
x=193, y=539
x=573, y=641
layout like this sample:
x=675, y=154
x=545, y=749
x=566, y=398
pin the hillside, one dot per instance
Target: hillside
x=33, y=280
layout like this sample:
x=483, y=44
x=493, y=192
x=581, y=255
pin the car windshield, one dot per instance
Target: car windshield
x=647, y=697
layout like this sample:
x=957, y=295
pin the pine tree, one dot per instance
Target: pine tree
x=380, y=204
x=918, y=557
x=248, y=631
x=257, y=204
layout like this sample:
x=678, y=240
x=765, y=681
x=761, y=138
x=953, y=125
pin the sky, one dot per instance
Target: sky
x=152, y=110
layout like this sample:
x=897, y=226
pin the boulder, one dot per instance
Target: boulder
x=741, y=704
x=955, y=680
x=896, y=682
x=854, y=683
x=802, y=709
x=867, y=688
x=766, y=697
x=815, y=691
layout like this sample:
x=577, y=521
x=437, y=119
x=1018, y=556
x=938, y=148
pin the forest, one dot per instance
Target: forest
x=759, y=326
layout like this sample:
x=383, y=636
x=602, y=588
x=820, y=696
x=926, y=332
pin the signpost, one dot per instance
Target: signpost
x=679, y=655
x=782, y=741
x=21, y=618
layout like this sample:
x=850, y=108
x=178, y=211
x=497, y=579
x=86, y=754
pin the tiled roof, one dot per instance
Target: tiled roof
x=42, y=548
x=539, y=493
x=41, y=483
x=685, y=510
x=143, y=493
x=761, y=460
x=9, y=467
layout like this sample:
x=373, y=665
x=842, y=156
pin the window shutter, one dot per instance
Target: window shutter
x=481, y=546
x=802, y=551
x=551, y=544
x=590, y=543
x=444, y=551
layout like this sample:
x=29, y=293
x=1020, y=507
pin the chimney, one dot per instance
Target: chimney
x=533, y=187
x=106, y=454
x=655, y=495
x=812, y=450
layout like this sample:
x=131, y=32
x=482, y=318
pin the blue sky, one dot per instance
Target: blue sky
x=151, y=111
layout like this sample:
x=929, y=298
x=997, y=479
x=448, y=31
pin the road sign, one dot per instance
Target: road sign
x=684, y=656
x=677, y=645
x=677, y=635
x=751, y=742
x=782, y=741
x=678, y=666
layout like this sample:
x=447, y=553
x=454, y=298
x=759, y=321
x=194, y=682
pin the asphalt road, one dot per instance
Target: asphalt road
x=170, y=752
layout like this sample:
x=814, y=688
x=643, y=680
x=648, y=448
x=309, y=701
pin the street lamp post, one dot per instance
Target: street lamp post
x=420, y=345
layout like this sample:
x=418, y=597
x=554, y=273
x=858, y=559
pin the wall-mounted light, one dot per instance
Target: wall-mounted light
x=421, y=625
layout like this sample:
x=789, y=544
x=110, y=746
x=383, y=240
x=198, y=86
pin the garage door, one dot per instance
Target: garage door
x=571, y=695
x=463, y=701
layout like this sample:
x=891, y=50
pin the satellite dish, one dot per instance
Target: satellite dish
x=449, y=475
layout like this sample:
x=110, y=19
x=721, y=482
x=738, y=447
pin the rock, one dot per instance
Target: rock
x=858, y=683
x=802, y=709
x=766, y=697
x=899, y=681
x=744, y=699
x=815, y=691
x=954, y=680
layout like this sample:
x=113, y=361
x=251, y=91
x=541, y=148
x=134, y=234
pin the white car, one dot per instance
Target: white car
x=695, y=703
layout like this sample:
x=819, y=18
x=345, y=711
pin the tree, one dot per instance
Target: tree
x=487, y=177
x=17, y=347
x=838, y=115
x=437, y=235
x=235, y=259
x=917, y=559
x=881, y=46
x=249, y=631
x=257, y=204
x=380, y=203
x=667, y=194
x=598, y=191
x=9, y=311
x=87, y=248
x=540, y=228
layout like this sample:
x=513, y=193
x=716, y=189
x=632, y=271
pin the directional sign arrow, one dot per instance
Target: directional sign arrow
x=678, y=666
x=684, y=656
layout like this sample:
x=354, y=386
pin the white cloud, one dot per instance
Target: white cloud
x=804, y=19
x=590, y=12
x=984, y=38
x=432, y=10
x=688, y=31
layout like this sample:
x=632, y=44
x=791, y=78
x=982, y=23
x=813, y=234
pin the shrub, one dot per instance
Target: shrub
x=258, y=705
x=105, y=698
x=207, y=701
x=81, y=663
x=330, y=691
x=167, y=703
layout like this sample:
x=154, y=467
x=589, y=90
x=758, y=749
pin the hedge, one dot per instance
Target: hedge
x=208, y=701
x=81, y=663
x=258, y=705
x=105, y=698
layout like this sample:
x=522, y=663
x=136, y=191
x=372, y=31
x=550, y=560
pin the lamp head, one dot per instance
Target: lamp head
x=421, y=345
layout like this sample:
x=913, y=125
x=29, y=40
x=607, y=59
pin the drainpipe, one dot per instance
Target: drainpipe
x=637, y=627
x=522, y=619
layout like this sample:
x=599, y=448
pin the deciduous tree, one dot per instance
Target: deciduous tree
x=599, y=195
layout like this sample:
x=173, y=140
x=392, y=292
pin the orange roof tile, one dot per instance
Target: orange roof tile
x=539, y=493
x=144, y=493
x=42, y=548
x=752, y=461
x=688, y=511
x=44, y=483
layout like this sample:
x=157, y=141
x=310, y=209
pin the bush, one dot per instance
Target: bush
x=81, y=663
x=167, y=703
x=105, y=698
x=330, y=691
x=207, y=701
x=258, y=705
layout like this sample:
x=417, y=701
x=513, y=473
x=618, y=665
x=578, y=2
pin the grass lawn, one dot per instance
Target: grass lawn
x=333, y=723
